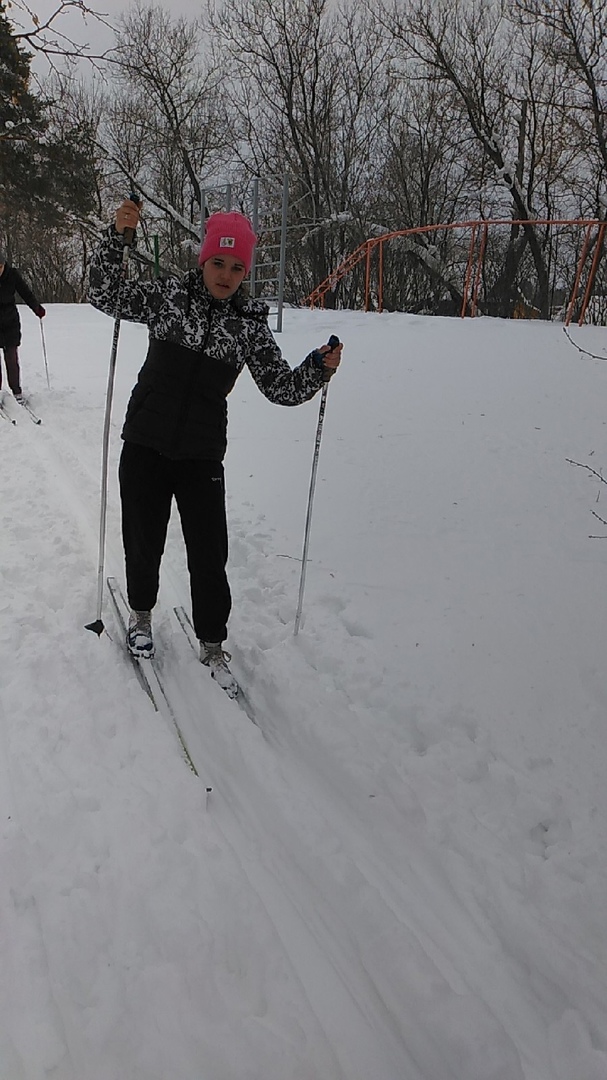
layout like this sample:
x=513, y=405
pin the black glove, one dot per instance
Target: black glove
x=319, y=358
x=39, y=311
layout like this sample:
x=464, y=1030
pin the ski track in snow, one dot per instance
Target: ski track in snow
x=350, y=902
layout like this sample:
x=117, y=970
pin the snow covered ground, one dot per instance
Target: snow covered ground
x=401, y=873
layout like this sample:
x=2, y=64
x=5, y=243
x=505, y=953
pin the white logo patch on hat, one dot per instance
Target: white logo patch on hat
x=227, y=241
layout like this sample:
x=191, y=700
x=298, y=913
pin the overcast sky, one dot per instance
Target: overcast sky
x=90, y=30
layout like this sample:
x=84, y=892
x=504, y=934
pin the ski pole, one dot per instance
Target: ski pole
x=332, y=342
x=48, y=378
x=97, y=626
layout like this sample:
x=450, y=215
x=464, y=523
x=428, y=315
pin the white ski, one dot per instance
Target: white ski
x=24, y=403
x=5, y=414
x=186, y=625
x=147, y=672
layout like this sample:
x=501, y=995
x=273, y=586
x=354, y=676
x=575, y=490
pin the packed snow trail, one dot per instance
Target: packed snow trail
x=379, y=885
x=304, y=925
x=48, y=477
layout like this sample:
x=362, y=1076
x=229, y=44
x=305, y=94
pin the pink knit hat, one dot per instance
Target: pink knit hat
x=228, y=234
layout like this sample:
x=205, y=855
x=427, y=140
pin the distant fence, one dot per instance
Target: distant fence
x=573, y=269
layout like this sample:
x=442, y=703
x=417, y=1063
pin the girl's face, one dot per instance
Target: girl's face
x=222, y=274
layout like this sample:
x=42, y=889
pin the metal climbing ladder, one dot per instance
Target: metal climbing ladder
x=267, y=276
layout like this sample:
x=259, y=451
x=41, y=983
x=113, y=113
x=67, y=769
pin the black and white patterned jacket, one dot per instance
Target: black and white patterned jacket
x=197, y=348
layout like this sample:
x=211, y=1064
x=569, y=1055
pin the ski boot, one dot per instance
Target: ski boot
x=139, y=640
x=216, y=659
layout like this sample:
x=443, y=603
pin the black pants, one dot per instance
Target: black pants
x=13, y=374
x=148, y=482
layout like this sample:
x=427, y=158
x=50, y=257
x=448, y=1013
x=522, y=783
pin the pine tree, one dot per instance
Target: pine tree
x=21, y=116
x=47, y=172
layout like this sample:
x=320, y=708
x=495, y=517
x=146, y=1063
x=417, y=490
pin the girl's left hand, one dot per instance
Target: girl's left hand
x=331, y=358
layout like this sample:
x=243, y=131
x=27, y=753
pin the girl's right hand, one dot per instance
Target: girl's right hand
x=127, y=216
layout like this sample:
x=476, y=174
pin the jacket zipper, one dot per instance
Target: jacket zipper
x=187, y=399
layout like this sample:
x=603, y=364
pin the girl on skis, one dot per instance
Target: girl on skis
x=203, y=330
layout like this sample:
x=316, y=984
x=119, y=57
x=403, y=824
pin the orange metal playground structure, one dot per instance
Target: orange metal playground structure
x=479, y=231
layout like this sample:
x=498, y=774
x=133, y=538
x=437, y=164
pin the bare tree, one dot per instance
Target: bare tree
x=306, y=98
x=47, y=177
x=488, y=76
x=574, y=36
x=162, y=129
x=45, y=37
x=421, y=112
x=425, y=179
x=571, y=39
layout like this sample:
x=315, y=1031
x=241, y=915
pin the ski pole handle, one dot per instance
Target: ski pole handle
x=332, y=343
x=129, y=234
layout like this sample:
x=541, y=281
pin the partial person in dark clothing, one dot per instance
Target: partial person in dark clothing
x=203, y=329
x=11, y=282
